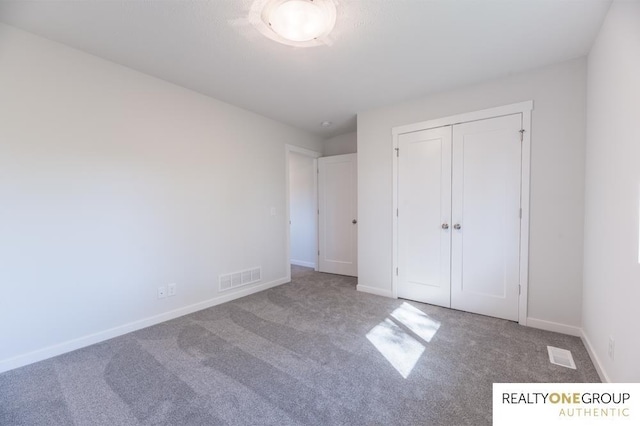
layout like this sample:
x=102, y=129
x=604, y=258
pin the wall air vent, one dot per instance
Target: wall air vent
x=256, y=274
x=240, y=278
x=225, y=282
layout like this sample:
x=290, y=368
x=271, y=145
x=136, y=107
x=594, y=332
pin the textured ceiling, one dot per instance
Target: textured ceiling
x=382, y=52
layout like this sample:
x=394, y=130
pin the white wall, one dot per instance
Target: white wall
x=114, y=183
x=341, y=144
x=557, y=181
x=612, y=262
x=302, y=202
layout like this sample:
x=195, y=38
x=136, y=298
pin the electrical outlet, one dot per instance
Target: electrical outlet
x=171, y=289
x=162, y=292
x=612, y=347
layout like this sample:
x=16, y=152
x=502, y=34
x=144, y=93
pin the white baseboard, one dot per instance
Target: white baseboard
x=81, y=342
x=554, y=326
x=572, y=331
x=374, y=290
x=303, y=263
x=604, y=377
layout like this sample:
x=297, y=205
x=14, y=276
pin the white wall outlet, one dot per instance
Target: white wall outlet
x=171, y=289
x=273, y=211
x=162, y=292
x=612, y=347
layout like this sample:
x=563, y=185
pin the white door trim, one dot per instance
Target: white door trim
x=523, y=108
x=287, y=216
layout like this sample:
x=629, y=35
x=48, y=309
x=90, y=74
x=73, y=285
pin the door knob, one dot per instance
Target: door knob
x=457, y=226
x=354, y=221
x=445, y=226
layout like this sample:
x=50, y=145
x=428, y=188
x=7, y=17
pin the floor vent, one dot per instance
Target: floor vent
x=240, y=278
x=561, y=357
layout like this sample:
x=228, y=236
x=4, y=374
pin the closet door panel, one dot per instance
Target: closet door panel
x=486, y=216
x=424, y=203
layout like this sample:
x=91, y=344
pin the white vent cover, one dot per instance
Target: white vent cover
x=225, y=282
x=561, y=357
x=240, y=278
x=236, y=279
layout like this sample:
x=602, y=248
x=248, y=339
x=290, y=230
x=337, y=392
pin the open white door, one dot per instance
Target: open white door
x=338, y=224
x=424, y=206
x=486, y=182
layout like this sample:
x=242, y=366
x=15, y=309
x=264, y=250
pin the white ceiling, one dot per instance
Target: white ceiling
x=383, y=51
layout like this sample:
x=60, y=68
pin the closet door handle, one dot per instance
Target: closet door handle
x=445, y=226
x=457, y=226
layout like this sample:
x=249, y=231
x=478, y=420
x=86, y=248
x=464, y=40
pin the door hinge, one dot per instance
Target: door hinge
x=396, y=271
x=519, y=290
x=397, y=152
x=318, y=252
x=521, y=135
x=318, y=211
x=520, y=213
x=397, y=212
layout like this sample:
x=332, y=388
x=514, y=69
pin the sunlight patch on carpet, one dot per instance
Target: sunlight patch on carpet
x=417, y=321
x=398, y=347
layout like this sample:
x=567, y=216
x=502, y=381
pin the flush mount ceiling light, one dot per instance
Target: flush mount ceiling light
x=301, y=23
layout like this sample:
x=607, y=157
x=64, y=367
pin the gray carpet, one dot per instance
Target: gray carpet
x=313, y=352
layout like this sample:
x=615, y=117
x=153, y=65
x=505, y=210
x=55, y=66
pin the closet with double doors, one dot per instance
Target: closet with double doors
x=461, y=217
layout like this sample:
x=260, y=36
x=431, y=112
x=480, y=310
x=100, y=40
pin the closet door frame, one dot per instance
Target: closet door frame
x=523, y=108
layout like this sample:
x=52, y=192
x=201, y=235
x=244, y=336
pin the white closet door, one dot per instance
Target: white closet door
x=338, y=204
x=424, y=204
x=486, y=216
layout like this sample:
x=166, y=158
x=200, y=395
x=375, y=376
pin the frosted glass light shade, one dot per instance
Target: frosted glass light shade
x=299, y=23
x=299, y=20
